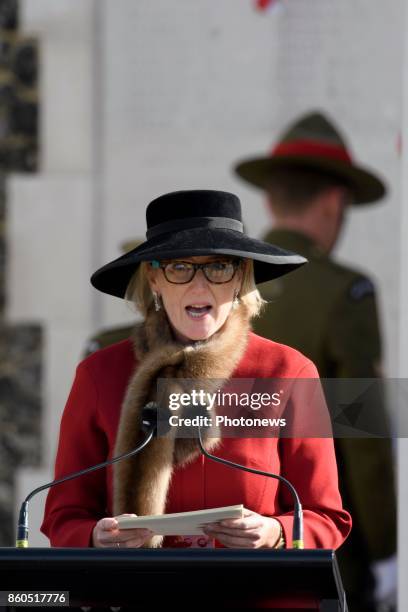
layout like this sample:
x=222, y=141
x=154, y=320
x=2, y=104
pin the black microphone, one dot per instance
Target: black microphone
x=197, y=410
x=148, y=426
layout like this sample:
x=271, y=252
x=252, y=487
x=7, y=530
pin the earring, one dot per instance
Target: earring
x=235, y=301
x=156, y=299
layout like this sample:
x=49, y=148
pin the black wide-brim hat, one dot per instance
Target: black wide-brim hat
x=197, y=222
x=314, y=142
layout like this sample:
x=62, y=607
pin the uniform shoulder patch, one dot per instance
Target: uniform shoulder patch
x=91, y=347
x=360, y=288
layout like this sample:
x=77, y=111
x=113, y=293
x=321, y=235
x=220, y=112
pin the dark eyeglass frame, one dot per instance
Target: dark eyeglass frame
x=196, y=266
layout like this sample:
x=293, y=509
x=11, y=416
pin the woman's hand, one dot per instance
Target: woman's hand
x=106, y=534
x=251, y=531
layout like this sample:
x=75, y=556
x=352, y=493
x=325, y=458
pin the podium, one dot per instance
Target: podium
x=212, y=579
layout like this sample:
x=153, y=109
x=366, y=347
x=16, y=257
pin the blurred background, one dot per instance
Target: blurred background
x=106, y=104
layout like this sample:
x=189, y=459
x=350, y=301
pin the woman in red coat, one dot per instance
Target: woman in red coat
x=194, y=281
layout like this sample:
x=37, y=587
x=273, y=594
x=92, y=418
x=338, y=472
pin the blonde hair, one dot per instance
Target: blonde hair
x=139, y=293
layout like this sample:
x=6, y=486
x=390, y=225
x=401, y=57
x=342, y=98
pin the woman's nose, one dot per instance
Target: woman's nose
x=199, y=279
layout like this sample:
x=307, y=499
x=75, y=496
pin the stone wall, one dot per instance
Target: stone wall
x=20, y=414
x=20, y=343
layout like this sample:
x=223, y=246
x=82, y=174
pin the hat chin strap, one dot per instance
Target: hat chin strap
x=195, y=222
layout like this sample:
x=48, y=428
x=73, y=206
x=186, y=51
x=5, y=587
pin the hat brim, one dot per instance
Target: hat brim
x=270, y=261
x=367, y=187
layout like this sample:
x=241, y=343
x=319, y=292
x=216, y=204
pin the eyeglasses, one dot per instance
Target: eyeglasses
x=182, y=272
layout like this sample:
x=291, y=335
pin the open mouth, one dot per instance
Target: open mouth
x=198, y=311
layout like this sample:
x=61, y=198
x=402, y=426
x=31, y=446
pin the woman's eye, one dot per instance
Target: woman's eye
x=180, y=267
x=219, y=265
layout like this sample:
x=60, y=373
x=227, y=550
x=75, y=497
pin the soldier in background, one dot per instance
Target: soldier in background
x=106, y=337
x=310, y=180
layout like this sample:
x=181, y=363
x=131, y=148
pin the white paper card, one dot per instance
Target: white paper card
x=181, y=523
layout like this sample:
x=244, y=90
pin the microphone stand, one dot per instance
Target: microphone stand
x=149, y=426
x=297, y=532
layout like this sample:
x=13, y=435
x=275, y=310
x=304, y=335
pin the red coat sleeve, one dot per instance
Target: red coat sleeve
x=72, y=508
x=310, y=465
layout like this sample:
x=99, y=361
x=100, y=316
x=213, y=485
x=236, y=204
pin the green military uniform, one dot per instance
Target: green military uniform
x=328, y=312
x=107, y=337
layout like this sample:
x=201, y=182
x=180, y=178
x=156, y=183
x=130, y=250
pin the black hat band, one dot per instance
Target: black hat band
x=192, y=222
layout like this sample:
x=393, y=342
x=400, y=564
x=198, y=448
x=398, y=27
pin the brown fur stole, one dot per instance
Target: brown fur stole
x=140, y=484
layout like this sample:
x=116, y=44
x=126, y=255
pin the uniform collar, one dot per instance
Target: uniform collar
x=295, y=241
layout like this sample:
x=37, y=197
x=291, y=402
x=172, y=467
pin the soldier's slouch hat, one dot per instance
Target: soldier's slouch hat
x=314, y=142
